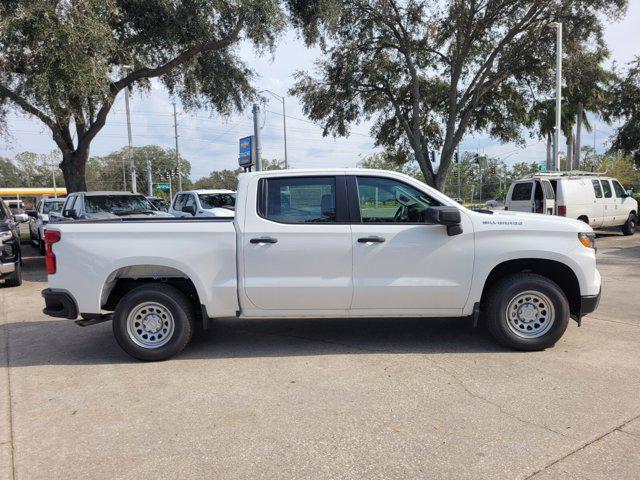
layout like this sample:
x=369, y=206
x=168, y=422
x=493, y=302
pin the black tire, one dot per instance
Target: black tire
x=508, y=289
x=166, y=297
x=584, y=219
x=629, y=228
x=15, y=279
x=42, y=247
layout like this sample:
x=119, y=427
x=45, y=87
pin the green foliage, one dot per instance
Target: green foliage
x=109, y=172
x=219, y=179
x=624, y=105
x=28, y=169
x=428, y=73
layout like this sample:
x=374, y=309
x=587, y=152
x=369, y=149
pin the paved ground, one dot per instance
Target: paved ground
x=325, y=399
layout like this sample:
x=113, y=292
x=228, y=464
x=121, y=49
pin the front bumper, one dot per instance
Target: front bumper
x=60, y=304
x=6, y=268
x=588, y=304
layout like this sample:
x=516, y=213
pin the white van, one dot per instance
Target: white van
x=597, y=200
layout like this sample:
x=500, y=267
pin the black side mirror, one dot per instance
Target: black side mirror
x=447, y=216
x=189, y=209
x=32, y=213
x=70, y=213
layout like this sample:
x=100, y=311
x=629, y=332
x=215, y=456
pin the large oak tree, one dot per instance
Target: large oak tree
x=428, y=72
x=64, y=62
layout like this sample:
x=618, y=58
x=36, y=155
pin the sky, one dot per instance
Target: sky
x=211, y=142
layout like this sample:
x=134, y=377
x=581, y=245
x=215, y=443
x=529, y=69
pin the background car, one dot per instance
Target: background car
x=38, y=218
x=10, y=251
x=159, y=203
x=108, y=205
x=204, y=203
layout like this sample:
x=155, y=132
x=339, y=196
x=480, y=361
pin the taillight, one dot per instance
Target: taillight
x=562, y=210
x=51, y=237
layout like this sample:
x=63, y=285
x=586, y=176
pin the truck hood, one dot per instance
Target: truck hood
x=218, y=212
x=507, y=220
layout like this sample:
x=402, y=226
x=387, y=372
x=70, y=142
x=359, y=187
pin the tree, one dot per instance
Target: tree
x=384, y=161
x=427, y=73
x=624, y=105
x=109, y=172
x=65, y=62
x=219, y=179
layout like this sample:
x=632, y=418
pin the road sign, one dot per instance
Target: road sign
x=543, y=168
x=161, y=186
x=246, y=155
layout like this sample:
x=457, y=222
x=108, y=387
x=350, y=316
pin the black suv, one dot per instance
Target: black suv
x=10, y=253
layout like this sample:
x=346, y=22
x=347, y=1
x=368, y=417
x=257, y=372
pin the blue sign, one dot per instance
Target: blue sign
x=245, y=157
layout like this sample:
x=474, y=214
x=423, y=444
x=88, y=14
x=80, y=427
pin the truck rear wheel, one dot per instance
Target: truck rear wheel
x=153, y=322
x=526, y=311
x=629, y=228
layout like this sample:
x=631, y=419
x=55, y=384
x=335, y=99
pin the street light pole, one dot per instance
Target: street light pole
x=256, y=135
x=134, y=186
x=284, y=124
x=175, y=128
x=556, y=143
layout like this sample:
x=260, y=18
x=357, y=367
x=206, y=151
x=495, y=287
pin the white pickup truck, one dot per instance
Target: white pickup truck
x=324, y=243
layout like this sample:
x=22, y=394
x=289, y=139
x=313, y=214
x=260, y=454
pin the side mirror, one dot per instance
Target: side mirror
x=21, y=217
x=70, y=213
x=32, y=213
x=189, y=209
x=447, y=216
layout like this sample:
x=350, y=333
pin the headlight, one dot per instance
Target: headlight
x=587, y=239
x=6, y=235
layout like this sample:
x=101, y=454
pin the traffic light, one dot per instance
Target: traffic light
x=456, y=157
x=432, y=155
x=492, y=169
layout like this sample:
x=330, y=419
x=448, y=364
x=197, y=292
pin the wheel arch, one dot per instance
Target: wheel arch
x=124, y=279
x=554, y=270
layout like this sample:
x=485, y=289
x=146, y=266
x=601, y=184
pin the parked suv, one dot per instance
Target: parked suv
x=595, y=199
x=46, y=209
x=108, y=205
x=10, y=252
x=204, y=203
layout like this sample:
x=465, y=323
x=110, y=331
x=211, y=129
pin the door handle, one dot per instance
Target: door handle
x=371, y=239
x=264, y=240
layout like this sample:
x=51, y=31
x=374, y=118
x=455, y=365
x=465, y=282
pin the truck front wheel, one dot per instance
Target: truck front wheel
x=153, y=322
x=526, y=311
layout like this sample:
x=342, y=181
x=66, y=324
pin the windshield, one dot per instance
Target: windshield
x=117, y=204
x=218, y=200
x=50, y=207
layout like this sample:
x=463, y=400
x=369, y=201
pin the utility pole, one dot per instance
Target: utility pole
x=53, y=176
x=256, y=135
x=458, y=158
x=132, y=163
x=556, y=143
x=149, y=177
x=175, y=128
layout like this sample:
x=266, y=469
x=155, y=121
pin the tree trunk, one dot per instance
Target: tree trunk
x=576, y=153
x=569, y=157
x=73, y=168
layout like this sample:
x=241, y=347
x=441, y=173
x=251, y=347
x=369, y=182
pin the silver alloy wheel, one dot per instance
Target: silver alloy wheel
x=150, y=325
x=530, y=314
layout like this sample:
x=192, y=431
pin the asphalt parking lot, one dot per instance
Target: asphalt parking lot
x=325, y=399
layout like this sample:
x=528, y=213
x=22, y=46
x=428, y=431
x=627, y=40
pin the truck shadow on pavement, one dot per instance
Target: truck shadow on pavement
x=61, y=342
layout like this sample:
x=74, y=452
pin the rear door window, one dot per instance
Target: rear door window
x=521, y=191
x=597, y=189
x=606, y=188
x=299, y=200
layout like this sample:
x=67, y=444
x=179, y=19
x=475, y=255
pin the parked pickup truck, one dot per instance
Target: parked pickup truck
x=324, y=243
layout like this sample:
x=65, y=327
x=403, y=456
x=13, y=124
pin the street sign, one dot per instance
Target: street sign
x=245, y=156
x=543, y=168
x=161, y=186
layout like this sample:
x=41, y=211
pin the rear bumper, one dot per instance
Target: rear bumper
x=60, y=304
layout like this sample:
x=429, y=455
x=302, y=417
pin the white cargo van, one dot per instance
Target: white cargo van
x=595, y=199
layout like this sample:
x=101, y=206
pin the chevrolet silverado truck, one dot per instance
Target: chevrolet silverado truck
x=324, y=243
